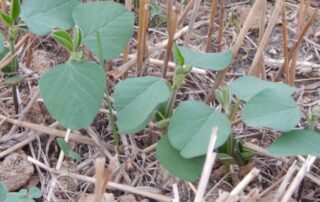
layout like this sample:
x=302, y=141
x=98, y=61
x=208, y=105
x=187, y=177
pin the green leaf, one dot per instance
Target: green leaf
x=3, y=192
x=73, y=93
x=273, y=109
x=6, y=19
x=64, y=146
x=178, y=58
x=170, y=159
x=77, y=37
x=11, y=67
x=296, y=142
x=42, y=16
x=211, y=61
x=74, y=155
x=12, y=81
x=67, y=150
x=191, y=126
x=63, y=38
x=136, y=100
x=14, y=196
x=248, y=86
x=15, y=9
x=35, y=192
x=112, y=20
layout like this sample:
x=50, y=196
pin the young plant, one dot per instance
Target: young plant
x=184, y=144
x=71, y=43
x=23, y=195
x=232, y=151
x=80, y=84
x=11, y=20
x=269, y=104
x=73, y=91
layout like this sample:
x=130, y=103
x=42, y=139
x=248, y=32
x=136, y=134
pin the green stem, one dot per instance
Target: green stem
x=109, y=102
x=170, y=105
x=14, y=88
x=229, y=146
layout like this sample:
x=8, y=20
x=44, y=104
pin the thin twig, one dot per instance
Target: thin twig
x=185, y=12
x=243, y=32
x=221, y=25
x=116, y=74
x=249, y=177
x=285, y=44
x=261, y=71
x=302, y=18
x=285, y=182
x=74, y=137
x=129, y=6
x=214, y=6
x=142, y=35
x=210, y=159
x=172, y=26
x=21, y=144
x=295, y=47
x=58, y=166
x=111, y=185
x=175, y=191
x=101, y=179
x=194, y=14
x=301, y=174
x=266, y=36
x=264, y=152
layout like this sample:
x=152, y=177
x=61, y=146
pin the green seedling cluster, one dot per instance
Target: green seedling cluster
x=23, y=195
x=74, y=91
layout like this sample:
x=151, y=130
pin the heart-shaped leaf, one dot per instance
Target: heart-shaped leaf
x=211, y=61
x=248, y=86
x=3, y=191
x=170, y=159
x=112, y=20
x=297, y=142
x=136, y=101
x=273, y=109
x=42, y=16
x=73, y=93
x=191, y=126
x=35, y=192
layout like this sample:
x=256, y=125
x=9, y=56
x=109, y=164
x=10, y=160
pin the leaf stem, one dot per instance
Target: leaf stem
x=109, y=102
x=14, y=88
x=171, y=102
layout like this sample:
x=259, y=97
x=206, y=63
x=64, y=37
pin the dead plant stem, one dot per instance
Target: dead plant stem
x=191, y=22
x=285, y=44
x=221, y=24
x=214, y=6
x=185, y=12
x=295, y=47
x=247, y=24
x=265, y=38
x=4, y=6
x=143, y=26
x=172, y=26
